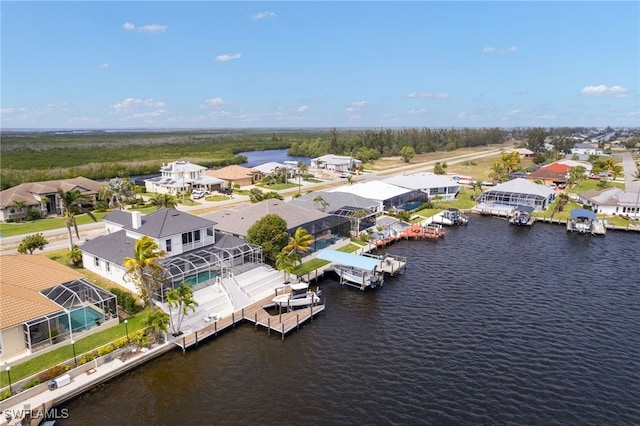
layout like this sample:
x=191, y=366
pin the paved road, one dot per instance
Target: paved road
x=58, y=238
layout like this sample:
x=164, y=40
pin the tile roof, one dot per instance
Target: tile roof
x=26, y=191
x=23, y=277
x=232, y=172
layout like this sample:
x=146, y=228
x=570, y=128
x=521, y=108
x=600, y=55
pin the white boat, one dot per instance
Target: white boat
x=584, y=221
x=450, y=216
x=360, y=277
x=299, y=296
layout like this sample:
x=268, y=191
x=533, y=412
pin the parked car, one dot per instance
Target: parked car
x=198, y=193
x=225, y=191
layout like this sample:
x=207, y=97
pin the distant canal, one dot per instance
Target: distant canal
x=493, y=324
x=255, y=158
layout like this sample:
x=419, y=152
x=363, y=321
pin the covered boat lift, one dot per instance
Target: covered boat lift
x=354, y=270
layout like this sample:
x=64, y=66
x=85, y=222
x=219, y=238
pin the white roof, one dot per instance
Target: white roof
x=334, y=159
x=523, y=186
x=573, y=163
x=374, y=190
x=182, y=166
x=421, y=181
x=267, y=168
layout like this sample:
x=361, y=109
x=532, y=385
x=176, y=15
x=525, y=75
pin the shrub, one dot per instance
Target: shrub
x=31, y=383
x=126, y=300
x=106, y=349
x=86, y=358
x=4, y=395
x=121, y=342
x=52, y=373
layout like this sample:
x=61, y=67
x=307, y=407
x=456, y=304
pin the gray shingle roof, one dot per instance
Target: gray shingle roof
x=161, y=223
x=335, y=201
x=114, y=247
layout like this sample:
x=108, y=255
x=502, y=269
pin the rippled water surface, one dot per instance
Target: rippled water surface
x=493, y=324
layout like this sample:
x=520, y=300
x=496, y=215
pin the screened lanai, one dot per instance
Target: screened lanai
x=83, y=306
x=199, y=268
x=519, y=192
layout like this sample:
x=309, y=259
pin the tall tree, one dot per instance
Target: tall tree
x=407, y=153
x=143, y=266
x=270, y=232
x=300, y=242
x=72, y=202
x=535, y=139
x=180, y=298
x=163, y=201
x=287, y=261
x=302, y=169
x=19, y=206
x=156, y=322
x=117, y=191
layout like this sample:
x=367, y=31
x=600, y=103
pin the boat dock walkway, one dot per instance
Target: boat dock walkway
x=284, y=322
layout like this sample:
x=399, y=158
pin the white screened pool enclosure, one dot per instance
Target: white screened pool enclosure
x=519, y=192
x=83, y=306
x=201, y=267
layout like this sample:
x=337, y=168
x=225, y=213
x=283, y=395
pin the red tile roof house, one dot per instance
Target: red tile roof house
x=43, y=196
x=195, y=252
x=45, y=305
x=553, y=173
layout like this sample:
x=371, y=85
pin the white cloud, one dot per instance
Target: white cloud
x=602, y=90
x=429, y=95
x=303, y=108
x=148, y=115
x=359, y=104
x=514, y=112
x=104, y=66
x=130, y=104
x=228, y=57
x=151, y=28
x=215, y=101
x=417, y=111
x=263, y=15
x=6, y=110
x=491, y=49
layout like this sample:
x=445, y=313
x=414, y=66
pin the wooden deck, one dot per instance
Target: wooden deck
x=283, y=323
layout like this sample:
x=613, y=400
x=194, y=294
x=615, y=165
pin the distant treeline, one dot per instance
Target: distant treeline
x=38, y=156
x=372, y=144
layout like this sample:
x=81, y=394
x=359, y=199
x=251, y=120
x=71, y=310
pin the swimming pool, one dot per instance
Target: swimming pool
x=410, y=206
x=82, y=319
x=199, y=278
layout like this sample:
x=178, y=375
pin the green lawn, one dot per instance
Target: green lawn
x=217, y=198
x=278, y=186
x=316, y=263
x=57, y=356
x=41, y=225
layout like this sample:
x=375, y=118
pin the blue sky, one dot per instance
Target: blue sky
x=241, y=64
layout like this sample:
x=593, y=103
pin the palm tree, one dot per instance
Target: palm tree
x=476, y=186
x=141, y=267
x=19, y=206
x=71, y=203
x=116, y=191
x=286, y=261
x=497, y=172
x=302, y=169
x=164, y=201
x=75, y=256
x=636, y=178
x=319, y=201
x=157, y=322
x=299, y=243
x=182, y=299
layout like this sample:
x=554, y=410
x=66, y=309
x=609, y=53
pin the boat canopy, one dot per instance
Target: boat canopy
x=299, y=286
x=354, y=260
x=525, y=209
x=583, y=213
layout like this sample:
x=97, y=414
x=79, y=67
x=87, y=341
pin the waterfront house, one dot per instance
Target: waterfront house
x=517, y=192
x=553, y=173
x=429, y=183
x=611, y=201
x=194, y=251
x=182, y=176
x=322, y=226
x=46, y=304
x=360, y=211
x=43, y=197
x=336, y=163
x=237, y=175
x=387, y=195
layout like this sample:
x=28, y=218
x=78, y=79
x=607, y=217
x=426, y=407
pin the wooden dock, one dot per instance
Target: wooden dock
x=283, y=323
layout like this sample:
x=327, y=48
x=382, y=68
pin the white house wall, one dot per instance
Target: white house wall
x=109, y=270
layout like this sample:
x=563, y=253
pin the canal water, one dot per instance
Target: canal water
x=492, y=324
x=255, y=158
